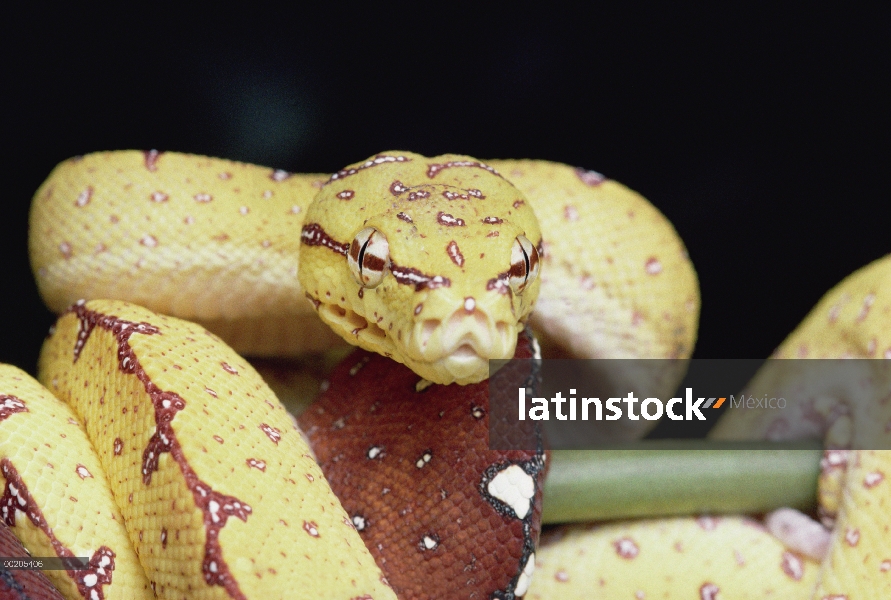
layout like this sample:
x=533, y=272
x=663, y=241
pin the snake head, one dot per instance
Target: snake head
x=433, y=262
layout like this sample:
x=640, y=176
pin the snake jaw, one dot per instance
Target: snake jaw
x=459, y=346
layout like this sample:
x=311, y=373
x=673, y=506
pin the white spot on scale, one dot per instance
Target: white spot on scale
x=90, y=579
x=515, y=487
x=430, y=543
x=792, y=566
x=469, y=304
x=626, y=548
x=834, y=312
x=311, y=528
x=653, y=266
x=710, y=591
x=214, y=508
x=873, y=479
x=424, y=460
x=868, y=301
x=374, y=452
x=525, y=577
x=84, y=198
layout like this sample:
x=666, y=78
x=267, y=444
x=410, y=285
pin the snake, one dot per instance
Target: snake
x=788, y=555
x=437, y=263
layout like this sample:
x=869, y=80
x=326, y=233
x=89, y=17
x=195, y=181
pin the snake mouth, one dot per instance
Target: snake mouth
x=460, y=346
x=464, y=364
x=452, y=350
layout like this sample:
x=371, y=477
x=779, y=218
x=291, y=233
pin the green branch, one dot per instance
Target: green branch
x=589, y=485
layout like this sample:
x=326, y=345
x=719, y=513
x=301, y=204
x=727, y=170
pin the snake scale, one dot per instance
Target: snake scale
x=434, y=262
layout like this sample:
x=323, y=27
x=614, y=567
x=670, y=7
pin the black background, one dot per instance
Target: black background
x=762, y=133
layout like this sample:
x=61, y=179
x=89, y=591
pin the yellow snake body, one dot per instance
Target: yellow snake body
x=219, y=242
x=56, y=492
x=212, y=241
x=617, y=281
x=217, y=488
x=729, y=558
x=240, y=250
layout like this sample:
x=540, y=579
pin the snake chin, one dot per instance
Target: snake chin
x=464, y=365
x=464, y=358
x=456, y=350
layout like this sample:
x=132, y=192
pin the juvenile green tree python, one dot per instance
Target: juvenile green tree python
x=394, y=248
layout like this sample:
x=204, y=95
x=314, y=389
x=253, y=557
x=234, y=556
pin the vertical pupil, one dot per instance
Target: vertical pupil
x=361, y=260
x=526, y=261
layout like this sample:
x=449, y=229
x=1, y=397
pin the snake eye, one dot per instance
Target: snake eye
x=369, y=257
x=523, y=264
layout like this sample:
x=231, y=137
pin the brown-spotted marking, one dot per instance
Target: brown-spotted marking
x=435, y=169
x=372, y=162
x=10, y=405
x=313, y=234
x=151, y=159
x=590, y=178
x=214, y=505
x=16, y=498
x=454, y=253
